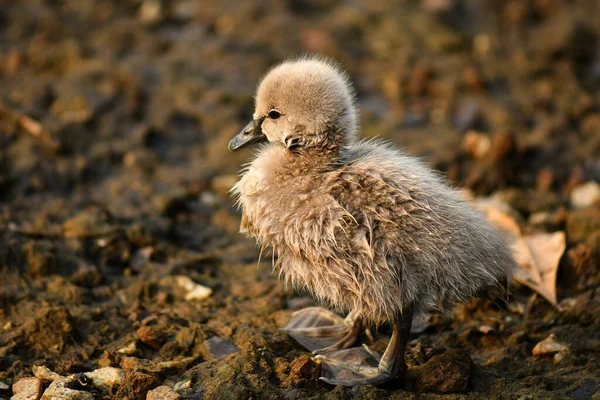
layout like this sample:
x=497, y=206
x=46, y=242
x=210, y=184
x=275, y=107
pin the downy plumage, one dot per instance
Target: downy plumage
x=362, y=226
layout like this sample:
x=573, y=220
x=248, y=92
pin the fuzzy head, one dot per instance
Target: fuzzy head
x=302, y=104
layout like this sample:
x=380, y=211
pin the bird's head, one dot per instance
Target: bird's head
x=303, y=105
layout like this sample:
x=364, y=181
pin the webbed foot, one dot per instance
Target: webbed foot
x=361, y=366
x=321, y=331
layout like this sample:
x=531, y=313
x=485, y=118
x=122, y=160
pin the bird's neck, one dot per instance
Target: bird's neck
x=319, y=152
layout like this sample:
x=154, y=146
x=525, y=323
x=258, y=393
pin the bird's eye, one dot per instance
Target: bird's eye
x=274, y=114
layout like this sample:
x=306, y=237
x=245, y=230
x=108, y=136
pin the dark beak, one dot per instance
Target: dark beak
x=252, y=133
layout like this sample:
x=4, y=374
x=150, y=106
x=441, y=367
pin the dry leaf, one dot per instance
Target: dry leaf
x=538, y=255
x=539, y=267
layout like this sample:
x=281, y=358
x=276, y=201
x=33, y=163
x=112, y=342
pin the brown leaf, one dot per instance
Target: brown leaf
x=545, y=250
x=537, y=255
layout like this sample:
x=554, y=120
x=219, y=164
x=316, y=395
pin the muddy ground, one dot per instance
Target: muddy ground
x=114, y=172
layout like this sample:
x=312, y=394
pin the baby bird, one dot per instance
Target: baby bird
x=359, y=224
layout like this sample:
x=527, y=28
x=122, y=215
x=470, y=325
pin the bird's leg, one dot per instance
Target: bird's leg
x=351, y=372
x=320, y=330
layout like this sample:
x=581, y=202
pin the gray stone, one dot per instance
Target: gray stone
x=220, y=348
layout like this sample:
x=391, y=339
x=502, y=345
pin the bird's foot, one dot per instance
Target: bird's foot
x=356, y=366
x=361, y=366
x=321, y=331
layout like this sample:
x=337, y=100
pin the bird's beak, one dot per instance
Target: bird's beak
x=252, y=133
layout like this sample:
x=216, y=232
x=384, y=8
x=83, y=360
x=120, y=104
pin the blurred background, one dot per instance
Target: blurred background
x=114, y=177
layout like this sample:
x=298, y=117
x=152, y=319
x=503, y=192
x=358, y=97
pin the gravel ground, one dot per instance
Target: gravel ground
x=115, y=218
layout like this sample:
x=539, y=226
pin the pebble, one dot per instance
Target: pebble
x=162, y=393
x=220, y=348
x=476, y=144
x=182, y=385
x=59, y=389
x=105, y=378
x=130, y=349
x=44, y=373
x=27, y=389
x=304, y=368
x=152, y=336
x=485, y=329
x=4, y=386
x=550, y=346
x=150, y=12
x=585, y=195
x=194, y=290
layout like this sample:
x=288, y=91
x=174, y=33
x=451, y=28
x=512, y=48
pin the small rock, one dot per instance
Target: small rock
x=209, y=199
x=567, y=304
x=194, y=290
x=137, y=384
x=141, y=257
x=4, y=386
x=485, y=329
x=152, y=336
x=304, y=368
x=150, y=12
x=446, y=373
x=220, y=348
x=541, y=218
x=27, y=389
x=162, y=393
x=476, y=144
x=130, y=349
x=550, y=346
x=107, y=377
x=44, y=373
x=584, y=392
x=61, y=389
x=585, y=195
x=182, y=385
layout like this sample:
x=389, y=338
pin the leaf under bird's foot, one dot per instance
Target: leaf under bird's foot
x=321, y=331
